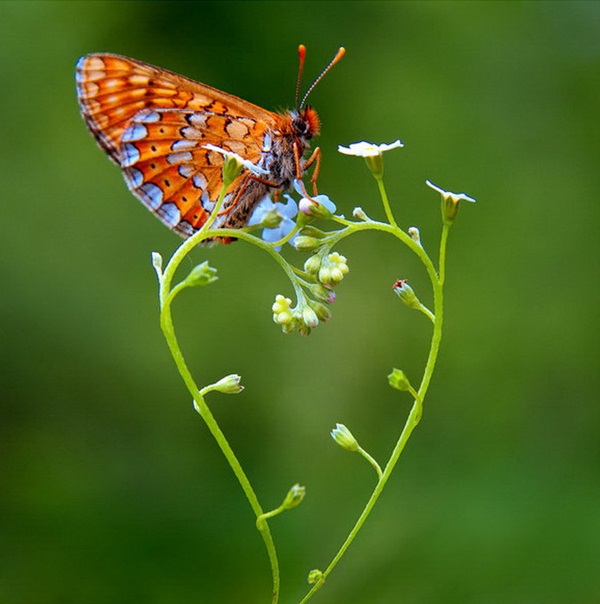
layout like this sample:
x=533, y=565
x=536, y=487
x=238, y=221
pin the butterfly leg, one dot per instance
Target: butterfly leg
x=315, y=158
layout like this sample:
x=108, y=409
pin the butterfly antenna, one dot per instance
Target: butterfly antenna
x=301, y=56
x=338, y=55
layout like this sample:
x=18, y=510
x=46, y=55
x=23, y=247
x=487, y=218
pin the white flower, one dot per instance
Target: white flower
x=245, y=163
x=364, y=149
x=286, y=211
x=447, y=195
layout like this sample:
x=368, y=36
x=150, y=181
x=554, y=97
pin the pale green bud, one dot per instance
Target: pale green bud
x=398, y=380
x=313, y=264
x=157, y=262
x=344, y=438
x=231, y=170
x=323, y=313
x=230, y=384
x=304, y=243
x=294, y=497
x=203, y=274
x=309, y=317
x=406, y=294
x=315, y=576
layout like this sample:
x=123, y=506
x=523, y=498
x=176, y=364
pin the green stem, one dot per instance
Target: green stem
x=415, y=413
x=166, y=296
x=371, y=460
x=386, y=202
x=204, y=411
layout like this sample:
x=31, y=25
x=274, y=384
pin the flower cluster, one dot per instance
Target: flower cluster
x=304, y=317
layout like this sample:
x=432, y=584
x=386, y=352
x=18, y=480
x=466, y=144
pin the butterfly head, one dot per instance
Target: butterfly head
x=306, y=123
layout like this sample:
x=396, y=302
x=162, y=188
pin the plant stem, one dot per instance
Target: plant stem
x=204, y=411
x=415, y=413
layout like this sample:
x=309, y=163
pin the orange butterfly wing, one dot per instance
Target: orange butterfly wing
x=154, y=124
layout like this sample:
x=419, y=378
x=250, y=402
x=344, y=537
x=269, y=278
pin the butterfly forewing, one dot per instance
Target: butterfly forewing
x=155, y=124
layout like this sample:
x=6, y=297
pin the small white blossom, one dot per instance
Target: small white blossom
x=448, y=195
x=245, y=163
x=364, y=149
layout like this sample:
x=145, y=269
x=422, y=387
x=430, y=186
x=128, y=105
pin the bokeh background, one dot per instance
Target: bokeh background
x=112, y=489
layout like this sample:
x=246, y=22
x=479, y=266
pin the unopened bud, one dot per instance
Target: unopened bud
x=203, y=274
x=294, y=497
x=231, y=170
x=398, y=380
x=406, y=293
x=304, y=243
x=344, y=438
x=230, y=384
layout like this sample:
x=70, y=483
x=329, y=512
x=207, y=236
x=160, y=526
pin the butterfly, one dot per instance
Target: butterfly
x=170, y=136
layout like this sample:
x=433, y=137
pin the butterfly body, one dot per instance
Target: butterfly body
x=155, y=125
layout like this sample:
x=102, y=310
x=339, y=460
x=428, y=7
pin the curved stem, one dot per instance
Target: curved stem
x=415, y=413
x=166, y=322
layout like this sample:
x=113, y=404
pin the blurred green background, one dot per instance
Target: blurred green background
x=112, y=489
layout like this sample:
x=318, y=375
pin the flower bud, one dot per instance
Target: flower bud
x=415, y=235
x=318, y=206
x=398, y=380
x=344, y=438
x=315, y=576
x=333, y=268
x=311, y=231
x=406, y=293
x=282, y=311
x=322, y=312
x=294, y=497
x=231, y=170
x=157, y=262
x=360, y=214
x=306, y=244
x=323, y=292
x=313, y=264
x=203, y=274
x=309, y=317
x=230, y=384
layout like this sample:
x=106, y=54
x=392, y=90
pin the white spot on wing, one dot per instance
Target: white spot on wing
x=135, y=132
x=179, y=158
x=200, y=181
x=149, y=117
x=151, y=194
x=133, y=177
x=184, y=145
x=186, y=170
x=169, y=214
x=198, y=120
x=192, y=133
x=129, y=155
